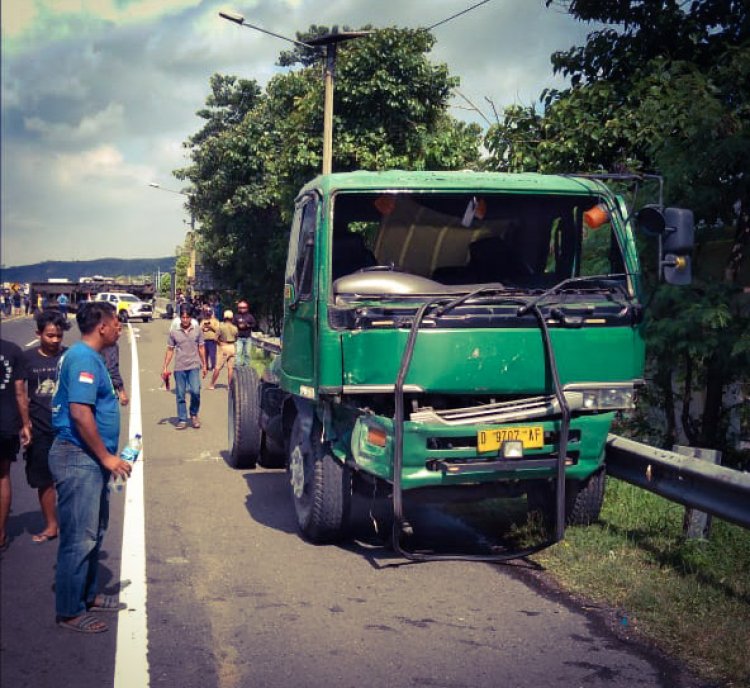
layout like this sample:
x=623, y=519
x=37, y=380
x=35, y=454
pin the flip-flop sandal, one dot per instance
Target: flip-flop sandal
x=84, y=624
x=106, y=603
x=41, y=538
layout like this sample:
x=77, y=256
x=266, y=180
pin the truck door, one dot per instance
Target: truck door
x=298, y=355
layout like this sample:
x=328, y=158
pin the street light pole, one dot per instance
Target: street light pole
x=330, y=41
x=156, y=185
x=328, y=109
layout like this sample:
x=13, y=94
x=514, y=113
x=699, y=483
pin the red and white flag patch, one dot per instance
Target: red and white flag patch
x=88, y=378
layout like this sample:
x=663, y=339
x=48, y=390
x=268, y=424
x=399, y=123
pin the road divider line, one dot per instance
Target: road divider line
x=131, y=654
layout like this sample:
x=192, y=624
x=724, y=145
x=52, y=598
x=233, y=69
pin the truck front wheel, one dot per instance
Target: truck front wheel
x=583, y=498
x=321, y=486
x=244, y=419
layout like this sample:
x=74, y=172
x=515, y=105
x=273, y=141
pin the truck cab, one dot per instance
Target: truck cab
x=449, y=330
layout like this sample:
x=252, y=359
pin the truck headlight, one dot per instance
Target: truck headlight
x=608, y=398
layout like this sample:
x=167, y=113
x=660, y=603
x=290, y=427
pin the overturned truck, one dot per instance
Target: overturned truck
x=451, y=331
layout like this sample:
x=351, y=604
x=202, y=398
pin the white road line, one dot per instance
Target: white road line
x=131, y=656
x=32, y=342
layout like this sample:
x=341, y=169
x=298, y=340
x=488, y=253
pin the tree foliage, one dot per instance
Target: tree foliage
x=180, y=272
x=258, y=147
x=165, y=285
x=662, y=87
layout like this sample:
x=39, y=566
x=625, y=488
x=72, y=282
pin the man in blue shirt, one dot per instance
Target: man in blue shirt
x=86, y=419
x=62, y=302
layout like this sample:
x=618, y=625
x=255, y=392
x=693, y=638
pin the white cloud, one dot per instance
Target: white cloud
x=98, y=96
x=87, y=129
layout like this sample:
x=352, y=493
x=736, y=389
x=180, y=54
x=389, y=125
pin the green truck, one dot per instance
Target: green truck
x=449, y=331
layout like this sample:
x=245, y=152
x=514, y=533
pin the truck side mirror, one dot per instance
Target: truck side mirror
x=677, y=245
x=651, y=220
x=679, y=233
x=675, y=228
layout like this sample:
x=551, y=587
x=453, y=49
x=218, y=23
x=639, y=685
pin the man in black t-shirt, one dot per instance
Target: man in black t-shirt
x=245, y=324
x=11, y=392
x=39, y=372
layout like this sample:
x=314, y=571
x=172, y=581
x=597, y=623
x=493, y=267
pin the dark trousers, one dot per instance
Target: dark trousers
x=210, y=345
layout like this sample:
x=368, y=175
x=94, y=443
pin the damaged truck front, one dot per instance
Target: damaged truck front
x=451, y=330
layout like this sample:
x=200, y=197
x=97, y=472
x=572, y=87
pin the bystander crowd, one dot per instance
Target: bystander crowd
x=210, y=329
x=245, y=323
x=185, y=345
x=62, y=304
x=86, y=419
x=17, y=300
x=111, y=355
x=39, y=372
x=13, y=432
x=226, y=342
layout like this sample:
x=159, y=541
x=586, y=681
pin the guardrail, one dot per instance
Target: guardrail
x=717, y=490
x=272, y=345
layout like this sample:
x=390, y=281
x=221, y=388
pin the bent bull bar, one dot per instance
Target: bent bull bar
x=400, y=525
x=717, y=490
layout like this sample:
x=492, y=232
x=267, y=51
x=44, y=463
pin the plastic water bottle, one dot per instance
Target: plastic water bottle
x=130, y=452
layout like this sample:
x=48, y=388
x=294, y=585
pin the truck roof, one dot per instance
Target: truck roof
x=397, y=180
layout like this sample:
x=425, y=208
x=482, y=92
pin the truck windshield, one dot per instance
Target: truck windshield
x=525, y=242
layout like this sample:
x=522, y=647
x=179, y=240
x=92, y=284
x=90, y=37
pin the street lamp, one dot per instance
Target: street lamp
x=156, y=185
x=330, y=40
x=159, y=187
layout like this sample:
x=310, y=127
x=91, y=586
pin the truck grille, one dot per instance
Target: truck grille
x=500, y=412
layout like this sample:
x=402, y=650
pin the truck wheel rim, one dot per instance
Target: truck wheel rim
x=297, y=466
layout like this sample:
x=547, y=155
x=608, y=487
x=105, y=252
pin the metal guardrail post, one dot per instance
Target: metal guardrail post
x=717, y=490
x=697, y=524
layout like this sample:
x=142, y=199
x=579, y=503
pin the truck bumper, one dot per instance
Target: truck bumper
x=436, y=455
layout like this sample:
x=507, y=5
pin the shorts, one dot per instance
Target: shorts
x=225, y=355
x=9, y=446
x=37, y=464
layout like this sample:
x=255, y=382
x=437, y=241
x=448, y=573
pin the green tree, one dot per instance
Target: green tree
x=257, y=148
x=180, y=272
x=165, y=285
x=662, y=87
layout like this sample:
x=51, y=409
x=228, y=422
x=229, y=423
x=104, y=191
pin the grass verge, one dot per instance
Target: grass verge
x=690, y=598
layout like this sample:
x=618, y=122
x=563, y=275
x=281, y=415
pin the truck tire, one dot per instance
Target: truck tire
x=147, y=320
x=123, y=316
x=272, y=455
x=244, y=419
x=321, y=488
x=583, y=499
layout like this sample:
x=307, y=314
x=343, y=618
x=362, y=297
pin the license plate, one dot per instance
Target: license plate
x=532, y=437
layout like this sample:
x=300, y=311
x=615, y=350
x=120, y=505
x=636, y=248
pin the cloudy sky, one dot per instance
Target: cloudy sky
x=98, y=96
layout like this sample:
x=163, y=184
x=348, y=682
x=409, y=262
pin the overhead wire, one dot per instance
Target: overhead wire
x=458, y=14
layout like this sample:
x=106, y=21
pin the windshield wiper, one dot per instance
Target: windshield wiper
x=606, y=280
x=494, y=287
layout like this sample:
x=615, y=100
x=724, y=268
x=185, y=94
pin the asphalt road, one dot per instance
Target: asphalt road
x=235, y=598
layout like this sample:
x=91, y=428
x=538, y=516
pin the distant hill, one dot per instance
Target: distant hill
x=75, y=269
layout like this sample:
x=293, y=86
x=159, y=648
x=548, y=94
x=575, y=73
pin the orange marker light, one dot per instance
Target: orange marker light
x=597, y=216
x=376, y=436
